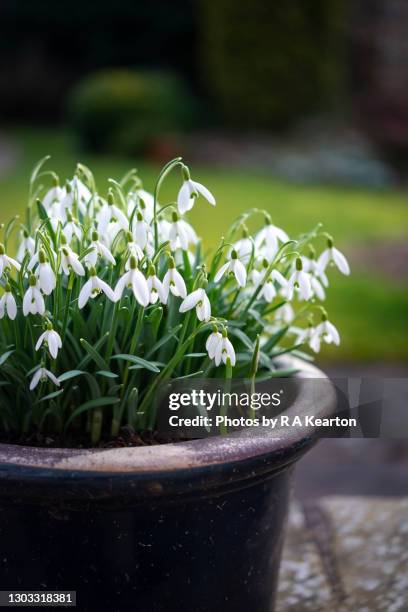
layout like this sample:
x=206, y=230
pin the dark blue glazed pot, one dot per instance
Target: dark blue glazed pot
x=190, y=526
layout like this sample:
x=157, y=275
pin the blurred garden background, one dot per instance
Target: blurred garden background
x=300, y=108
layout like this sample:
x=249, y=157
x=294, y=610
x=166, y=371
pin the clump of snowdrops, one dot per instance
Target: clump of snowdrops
x=110, y=294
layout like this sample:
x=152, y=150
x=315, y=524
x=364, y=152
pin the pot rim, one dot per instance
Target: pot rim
x=282, y=447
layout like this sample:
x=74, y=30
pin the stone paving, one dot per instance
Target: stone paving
x=346, y=554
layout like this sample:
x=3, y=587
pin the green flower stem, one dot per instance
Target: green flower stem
x=166, y=170
x=167, y=371
x=67, y=303
x=133, y=344
x=227, y=389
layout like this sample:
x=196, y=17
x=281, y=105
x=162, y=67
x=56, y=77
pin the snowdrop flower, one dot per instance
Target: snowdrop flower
x=93, y=287
x=305, y=336
x=6, y=262
x=181, y=234
x=214, y=340
x=233, y=266
x=71, y=229
x=55, y=194
x=224, y=350
x=80, y=193
x=144, y=201
x=8, y=304
x=33, y=301
x=325, y=331
x=317, y=287
x=334, y=256
x=133, y=279
x=41, y=375
x=70, y=262
x=174, y=282
x=45, y=274
x=36, y=258
x=310, y=265
x=270, y=236
x=98, y=250
x=299, y=280
x=50, y=338
x=141, y=231
x=133, y=250
x=189, y=191
x=27, y=245
x=268, y=291
x=164, y=227
x=110, y=212
x=243, y=247
x=197, y=299
x=156, y=287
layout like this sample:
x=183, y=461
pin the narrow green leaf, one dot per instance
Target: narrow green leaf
x=93, y=353
x=171, y=334
x=5, y=356
x=107, y=374
x=147, y=365
x=71, y=374
x=98, y=402
x=50, y=396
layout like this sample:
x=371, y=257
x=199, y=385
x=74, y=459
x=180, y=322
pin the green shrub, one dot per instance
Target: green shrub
x=124, y=111
x=268, y=63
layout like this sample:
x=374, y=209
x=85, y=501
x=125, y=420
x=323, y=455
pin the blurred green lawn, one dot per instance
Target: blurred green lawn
x=369, y=309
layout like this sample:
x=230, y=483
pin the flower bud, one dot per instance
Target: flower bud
x=32, y=281
x=185, y=172
x=110, y=197
x=95, y=236
x=41, y=256
x=299, y=264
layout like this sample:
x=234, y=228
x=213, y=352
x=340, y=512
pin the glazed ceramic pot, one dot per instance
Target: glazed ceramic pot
x=196, y=525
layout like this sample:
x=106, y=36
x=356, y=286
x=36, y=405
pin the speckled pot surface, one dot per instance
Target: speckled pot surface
x=190, y=526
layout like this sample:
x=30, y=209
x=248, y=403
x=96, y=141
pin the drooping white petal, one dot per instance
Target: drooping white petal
x=36, y=379
x=191, y=300
x=340, y=261
x=106, y=289
x=239, y=271
x=40, y=340
x=204, y=192
x=184, y=200
x=221, y=272
x=85, y=294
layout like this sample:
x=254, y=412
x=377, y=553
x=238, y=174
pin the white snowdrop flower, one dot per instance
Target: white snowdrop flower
x=333, y=256
x=317, y=287
x=233, y=266
x=243, y=247
x=141, y=230
x=7, y=262
x=93, y=287
x=33, y=301
x=144, y=201
x=70, y=262
x=156, y=287
x=189, y=192
x=310, y=265
x=35, y=260
x=325, y=332
x=164, y=227
x=133, y=279
x=213, y=342
x=79, y=193
x=133, y=250
x=268, y=291
x=71, y=229
x=41, y=375
x=55, y=194
x=224, y=350
x=50, y=338
x=270, y=236
x=286, y=314
x=174, y=282
x=181, y=234
x=110, y=234
x=110, y=212
x=198, y=299
x=27, y=245
x=57, y=215
x=305, y=336
x=45, y=274
x=8, y=304
x=299, y=281
x=98, y=249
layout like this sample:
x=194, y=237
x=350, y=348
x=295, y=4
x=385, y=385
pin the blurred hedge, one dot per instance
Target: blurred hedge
x=267, y=63
x=125, y=111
